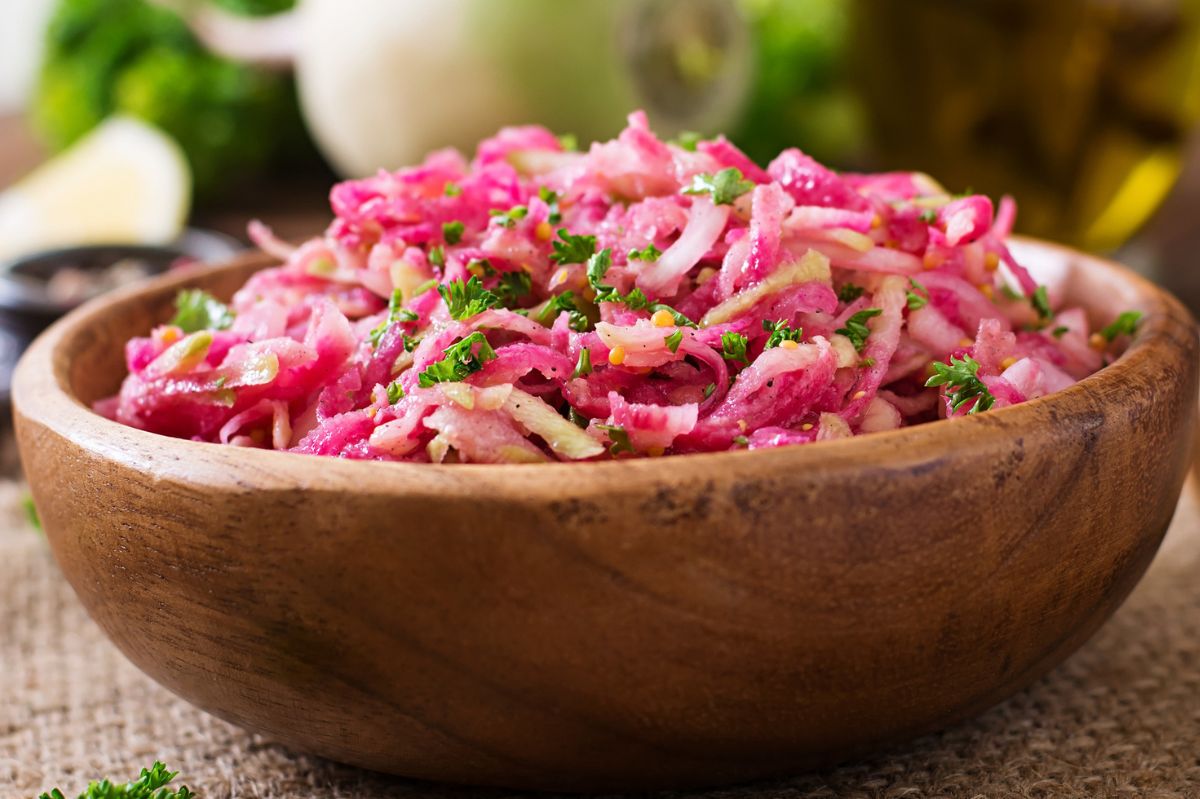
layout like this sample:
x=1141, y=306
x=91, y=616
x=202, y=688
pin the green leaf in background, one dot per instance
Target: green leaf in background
x=127, y=56
x=801, y=95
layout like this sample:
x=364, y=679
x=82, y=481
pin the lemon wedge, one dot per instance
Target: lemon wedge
x=125, y=182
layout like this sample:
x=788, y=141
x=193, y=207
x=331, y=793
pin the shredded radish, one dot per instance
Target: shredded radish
x=640, y=298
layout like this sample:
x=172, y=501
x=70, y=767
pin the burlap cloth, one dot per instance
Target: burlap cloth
x=1119, y=719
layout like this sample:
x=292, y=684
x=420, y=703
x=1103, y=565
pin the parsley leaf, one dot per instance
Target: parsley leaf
x=929, y=216
x=916, y=301
x=583, y=366
x=1060, y=331
x=733, y=347
x=513, y=286
x=850, y=292
x=724, y=187
x=563, y=302
x=459, y=362
x=598, y=266
x=437, y=256
x=674, y=340
x=510, y=217
x=196, y=310
x=961, y=379
x=550, y=198
x=452, y=190
x=151, y=784
x=452, y=232
x=709, y=389
x=1041, y=303
x=569, y=142
x=856, y=327
x=394, y=392
x=465, y=300
x=1126, y=324
x=741, y=441
x=688, y=140
x=395, y=314
x=570, y=249
x=680, y=319
x=649, y=253
x=618, y=437
x=780, y=332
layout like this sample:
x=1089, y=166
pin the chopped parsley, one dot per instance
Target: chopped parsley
x=597, y=267
x=197, y=310
x=578, y=418
x=1041, y=303
x=583, y=366
x=724, y=187
x=963, y=386
x=680, y=319
x=394, y=392
x=452, y=190
x=1010, y=293
x=674, y=340
x=465, y=300
x=618, y=437
x=709, y=389
x=1060, y=331
x=461, y=360
x=452, y=232
x=569, y=142
x=648, y=253
x=850, y=292
x=424, y=287
x=564, y=302
x=929, y=216
x=550, y=198
x=510, y=217
x=866, y=363
x=512, y=286
x=733, y=347
x=856, y=327
x=741, y=441
x=571, y=249
x=395, y=314
x=636, y=300
x=437, y=256
x=917, y=301
x=780, y=332
x=688, y=140
x=151, y=784
x=1125, y=324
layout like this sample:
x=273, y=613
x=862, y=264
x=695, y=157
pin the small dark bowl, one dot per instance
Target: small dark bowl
x=28, y=304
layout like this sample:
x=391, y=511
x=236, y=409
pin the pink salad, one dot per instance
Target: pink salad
x=638, y=299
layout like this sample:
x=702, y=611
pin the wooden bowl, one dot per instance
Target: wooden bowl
x=668, y=622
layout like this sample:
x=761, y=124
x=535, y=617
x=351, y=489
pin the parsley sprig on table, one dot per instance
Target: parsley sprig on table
x=963, y=386
x=151, y=784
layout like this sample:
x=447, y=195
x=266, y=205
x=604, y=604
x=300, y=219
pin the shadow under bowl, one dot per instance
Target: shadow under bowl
x=673, y=622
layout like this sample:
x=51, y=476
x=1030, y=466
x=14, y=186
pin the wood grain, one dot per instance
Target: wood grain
x=686, y=621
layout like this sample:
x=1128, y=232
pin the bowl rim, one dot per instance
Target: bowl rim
x=41, y=393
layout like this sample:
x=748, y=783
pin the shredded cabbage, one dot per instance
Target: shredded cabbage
x=636, y=299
